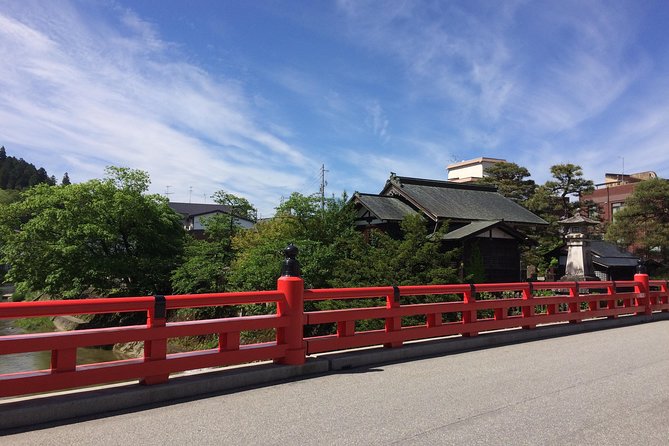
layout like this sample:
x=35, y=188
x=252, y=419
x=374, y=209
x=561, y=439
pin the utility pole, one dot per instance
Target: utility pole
x=323, y=184
x=167, y=192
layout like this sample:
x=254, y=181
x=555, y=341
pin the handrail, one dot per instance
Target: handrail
x=463, y=311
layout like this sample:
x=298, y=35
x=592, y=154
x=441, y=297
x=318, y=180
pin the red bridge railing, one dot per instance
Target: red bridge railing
x=466, y=310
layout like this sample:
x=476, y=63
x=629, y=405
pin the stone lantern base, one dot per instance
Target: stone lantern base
x=578, y=278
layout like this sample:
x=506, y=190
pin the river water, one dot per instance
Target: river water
x=23, y=362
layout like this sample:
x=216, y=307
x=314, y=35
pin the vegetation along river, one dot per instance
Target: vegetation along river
x=23, y=362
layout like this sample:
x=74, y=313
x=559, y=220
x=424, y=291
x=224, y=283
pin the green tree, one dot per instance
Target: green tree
x=237, y=206
x=511, y=181
x=19, y=174
x=644, y=221
x=66, y=180
x=101, y=237
x=416, y=258
x=318, y=232
x=551, y=202
x=207, y=262
x=9, y=196
x=568, y=180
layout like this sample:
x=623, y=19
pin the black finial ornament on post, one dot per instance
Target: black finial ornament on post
x=640, y=267
x=290, y=267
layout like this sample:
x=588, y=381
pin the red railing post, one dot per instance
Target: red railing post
x=345, y=328
x=64, y=360
x=292, y=307
x=393, y=323
x=528, y=305
x=612, y=301
x=642, y=288
x=156, y=349
x=664, y=299
x=574, y=303
x=469, y=317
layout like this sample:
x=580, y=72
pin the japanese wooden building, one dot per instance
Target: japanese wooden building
x=480, y=220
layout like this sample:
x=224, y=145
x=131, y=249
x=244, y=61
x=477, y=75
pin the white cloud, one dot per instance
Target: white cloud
x=377, y=120
x=81, y=94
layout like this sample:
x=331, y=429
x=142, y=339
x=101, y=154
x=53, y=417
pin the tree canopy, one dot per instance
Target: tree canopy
x=551, y=201
x=568, y=180
x=19, y=174
x=101, y=237
x=511, y=181
x=206, y=266
x=644, y=221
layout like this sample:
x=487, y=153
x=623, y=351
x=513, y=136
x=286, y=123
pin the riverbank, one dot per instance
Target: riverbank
x=29, y=361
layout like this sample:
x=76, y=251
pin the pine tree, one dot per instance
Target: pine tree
x=66, y=180
x=16, y=173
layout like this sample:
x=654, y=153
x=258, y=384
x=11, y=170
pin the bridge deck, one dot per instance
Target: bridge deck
x=606, y=387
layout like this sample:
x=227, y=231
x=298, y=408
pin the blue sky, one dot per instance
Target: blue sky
x=252, y=97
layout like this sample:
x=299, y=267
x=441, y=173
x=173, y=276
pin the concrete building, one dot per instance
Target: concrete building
x=470, y=170
x=609, y=197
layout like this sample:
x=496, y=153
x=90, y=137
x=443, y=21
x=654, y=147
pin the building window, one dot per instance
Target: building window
x=593, y=211
x=615, y=208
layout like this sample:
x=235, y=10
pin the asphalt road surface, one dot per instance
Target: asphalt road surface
x=609, y=387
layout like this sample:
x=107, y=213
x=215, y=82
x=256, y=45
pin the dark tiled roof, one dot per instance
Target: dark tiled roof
x=187, y=209
x=457, y=201
x=476, y=227
x=469, y=230
x=608, y=254
x=579, y=219
x=385, y=208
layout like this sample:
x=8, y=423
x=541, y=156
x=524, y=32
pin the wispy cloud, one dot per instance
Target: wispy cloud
x=377, y=120
x=447, y=50
x=366, y=88
x=532, y=82
x=82, y=93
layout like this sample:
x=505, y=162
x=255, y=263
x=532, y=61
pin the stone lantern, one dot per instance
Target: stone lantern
x=579, y=257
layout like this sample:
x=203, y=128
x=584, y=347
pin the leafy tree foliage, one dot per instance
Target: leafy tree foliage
x=551, y=202
x=66, y=180
x=317, y=232
x=19, y=174
x=8, y=196
x=568, y=180
x=238, y=206
x=511, y=181
x=413, y=259
x=334, y=254
x=207, y=262
x=101, y=237
x=644, y=220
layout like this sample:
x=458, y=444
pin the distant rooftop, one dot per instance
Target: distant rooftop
x=458, y=202
x=617, y=179
x=471, y=170
x=471, y=162
x=197, y=208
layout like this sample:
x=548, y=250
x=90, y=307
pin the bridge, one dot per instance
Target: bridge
x=585, y=384
x=606, y=387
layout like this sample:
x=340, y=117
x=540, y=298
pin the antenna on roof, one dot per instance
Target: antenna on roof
x=167, y=192
x=190, y=194
x=323, y=184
